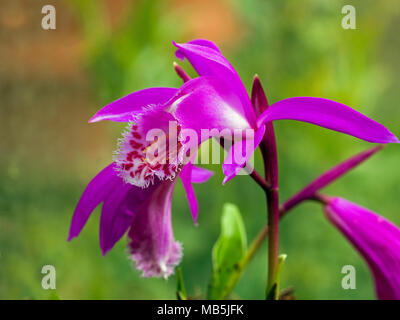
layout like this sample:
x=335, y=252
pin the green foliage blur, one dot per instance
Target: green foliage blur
x=48, y=151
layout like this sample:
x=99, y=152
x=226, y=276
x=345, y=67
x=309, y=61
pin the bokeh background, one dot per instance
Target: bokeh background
x=51, y=82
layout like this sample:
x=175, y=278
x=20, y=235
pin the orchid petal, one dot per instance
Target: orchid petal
x=180, y=54
x=118, y=212
x=123, y=109
x=192, y=174
x=328, y=114
x=258, y=98
x=234, y=163
x=375, y=238
x=200, y=175
x=95, y=192
x=208, y=103
x=152, y=243
x=150, y=148
x=328, y=177
x=113, y=221
x=186, y=178
x=207, y=60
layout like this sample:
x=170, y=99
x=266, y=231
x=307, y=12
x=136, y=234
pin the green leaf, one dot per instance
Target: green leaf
x=273, y=294
x=229, y=249
x=180, y=285
x=281, y=260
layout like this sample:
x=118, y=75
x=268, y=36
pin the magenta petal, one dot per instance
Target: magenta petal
x=200, y=175
x=152, y=244
x=209, y=103
x=239, y=154
x=375, y=238
x=192, y=174
x=186, y=178
x=96, y=191
x=118, y=212
x=123, y=109
x=207, y=60
x=181, y=54
x=328, y=177
x=328, y=114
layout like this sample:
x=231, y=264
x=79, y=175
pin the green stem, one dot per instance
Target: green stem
x=253, y=248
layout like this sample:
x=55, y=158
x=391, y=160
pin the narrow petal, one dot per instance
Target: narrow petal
x=181, y=54
x=200, y=175
x=328, y=177
x=96, y=191
x=375, y=238
x=152, y=244
x=258, y=97
x=123, y=109
x=239, y=154
x=118, y=212
x=192, y=174
x=207, y=60
x=328, y=114
x=186, y=178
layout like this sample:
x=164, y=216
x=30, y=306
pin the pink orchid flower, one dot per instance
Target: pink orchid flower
x=375, y=238
x=136, y=191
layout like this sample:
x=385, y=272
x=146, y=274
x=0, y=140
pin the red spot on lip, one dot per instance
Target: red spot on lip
x=157, y=166
x=166, y=170
x=136, y=135
x=134, y=164
x=131, y=155
x=127, y=166
x=134, y=144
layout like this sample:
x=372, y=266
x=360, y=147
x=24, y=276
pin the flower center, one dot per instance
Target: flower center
x=150, y=148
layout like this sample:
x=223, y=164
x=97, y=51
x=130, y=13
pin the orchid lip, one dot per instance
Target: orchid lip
x=139, y=160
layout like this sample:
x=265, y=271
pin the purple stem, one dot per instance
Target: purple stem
x=269, y=153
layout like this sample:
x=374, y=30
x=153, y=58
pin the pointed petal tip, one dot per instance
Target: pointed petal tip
x=330, y=115
x=104, y=251
x=394, y=139
x=256, y=83
x=226, y=179
x=390, y=138
x=94, y=119
x=194, y=216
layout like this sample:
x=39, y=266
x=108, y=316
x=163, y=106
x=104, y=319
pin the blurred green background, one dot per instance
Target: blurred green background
x=51, y=82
